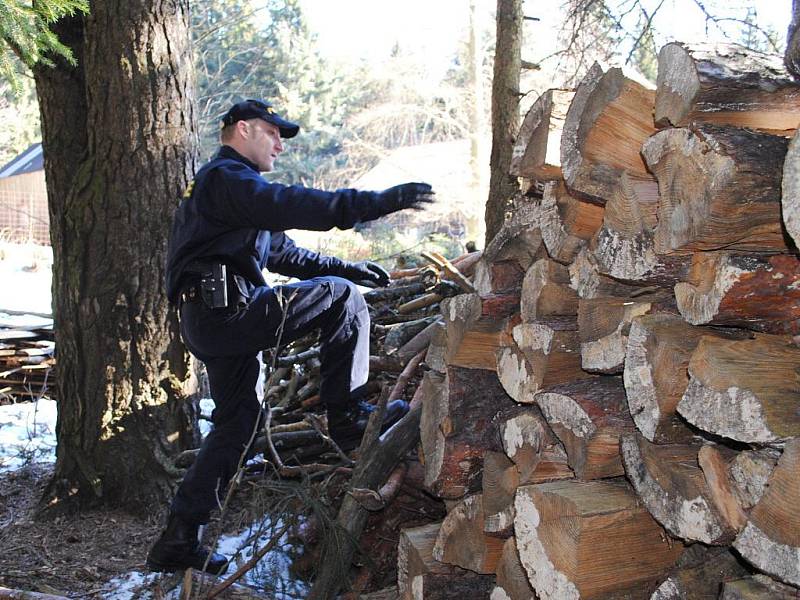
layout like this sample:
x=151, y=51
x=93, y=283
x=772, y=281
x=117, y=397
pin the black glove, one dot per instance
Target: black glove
x=366, y=273
x=407, y=195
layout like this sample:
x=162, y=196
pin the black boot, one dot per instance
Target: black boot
x=178, y=549
x=347, y=426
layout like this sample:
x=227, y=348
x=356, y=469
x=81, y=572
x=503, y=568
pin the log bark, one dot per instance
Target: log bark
x=537, y=150
x=546, y=292
x=745, y=390
x=499, y=484
x=742, y=290
x=657, y=359
x=539, y=355
x=585, y=278
x=457, y=428
x=715, y=464
x=536, y=452
x=672, y=487
x=603, y=326
x=589, y=416
x=758, y=587
x=512, y=582
x=567, y=223
x=720, y=189
x=474, y=328
x=790, y=194
x=771, y=539
x=725, y=84
x=589, y=540
x=701, y=577
x=749, y=472
x=420, y=576
x=607, y=122
x=624, y=246
x=462, y=542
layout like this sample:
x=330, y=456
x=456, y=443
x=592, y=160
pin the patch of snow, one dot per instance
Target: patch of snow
x=27, y=432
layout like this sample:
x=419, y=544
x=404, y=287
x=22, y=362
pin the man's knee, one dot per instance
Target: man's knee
x=346, y=290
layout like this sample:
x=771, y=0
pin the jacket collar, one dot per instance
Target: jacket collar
x=228, y=152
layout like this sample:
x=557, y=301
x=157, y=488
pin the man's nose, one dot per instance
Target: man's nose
x=279, y=146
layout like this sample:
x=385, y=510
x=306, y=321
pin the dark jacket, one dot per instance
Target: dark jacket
x=231, y=214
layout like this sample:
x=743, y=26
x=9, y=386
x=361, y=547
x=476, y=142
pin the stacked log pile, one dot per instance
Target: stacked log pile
x=27, y=357
x=614, y=411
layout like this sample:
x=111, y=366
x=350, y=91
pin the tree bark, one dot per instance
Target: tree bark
x=589, y=416
x=603, y=326
x=771, y=539
x=790, y=194
x=745, y=390
x=590, y=540
x=607, y=122
x=725, y=84
x=505, y=112
x=537, y=151
x=119, y=146
x=737, y=290
x=458, y=427
x=720, y=189
x=539, y=355
x=672, y=487
x=567, y=223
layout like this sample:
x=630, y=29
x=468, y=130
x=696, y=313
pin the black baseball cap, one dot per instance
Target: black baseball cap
x=258, y=109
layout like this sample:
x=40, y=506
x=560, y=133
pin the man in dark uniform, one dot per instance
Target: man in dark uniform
x=228, y=227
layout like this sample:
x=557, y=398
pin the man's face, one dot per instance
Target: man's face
x=262, y=142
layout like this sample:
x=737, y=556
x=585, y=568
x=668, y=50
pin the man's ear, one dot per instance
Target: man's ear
x=243, y=127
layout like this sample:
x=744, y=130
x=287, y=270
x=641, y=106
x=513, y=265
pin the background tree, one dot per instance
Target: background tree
x=792, y=56
x=505, y=112
x=118, y=134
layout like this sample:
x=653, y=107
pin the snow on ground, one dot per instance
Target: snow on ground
x=27, y=433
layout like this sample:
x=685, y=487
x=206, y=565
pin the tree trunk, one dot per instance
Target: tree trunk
x=119, y=146
x=590, y=540
x=607, y=122
x=761, y=293
x=725, y=84
x=505, y=112
x=745, y=390
x=720, y=189
x=537, y=151
x=771, y=539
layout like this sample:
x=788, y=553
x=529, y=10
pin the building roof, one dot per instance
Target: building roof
x=29, y=161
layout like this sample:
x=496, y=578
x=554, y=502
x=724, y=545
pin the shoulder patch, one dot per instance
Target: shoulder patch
x=188, y=192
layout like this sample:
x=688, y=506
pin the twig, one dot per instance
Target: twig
x=405, y=376
x=218, y=589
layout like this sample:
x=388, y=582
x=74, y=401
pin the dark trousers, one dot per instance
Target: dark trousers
x=228, y=342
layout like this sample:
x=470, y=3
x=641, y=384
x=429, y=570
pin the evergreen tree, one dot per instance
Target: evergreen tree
x=25, y=33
